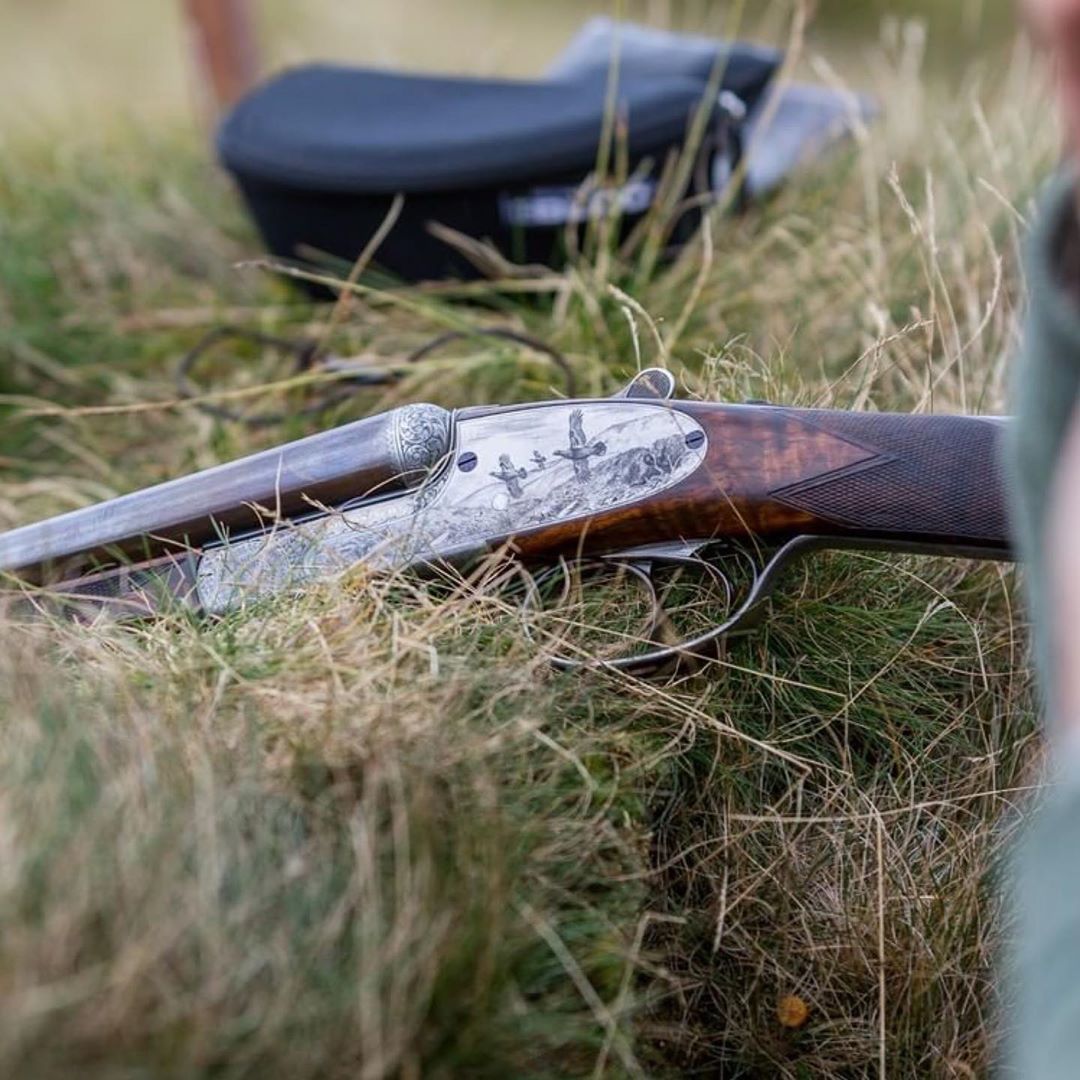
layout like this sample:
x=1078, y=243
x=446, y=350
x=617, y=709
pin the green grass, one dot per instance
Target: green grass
x=370, y=833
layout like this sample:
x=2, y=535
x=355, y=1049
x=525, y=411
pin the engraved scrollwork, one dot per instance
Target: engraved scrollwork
x=420, y=437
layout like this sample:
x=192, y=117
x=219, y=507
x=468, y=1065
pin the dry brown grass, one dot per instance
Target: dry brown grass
x=369, y=833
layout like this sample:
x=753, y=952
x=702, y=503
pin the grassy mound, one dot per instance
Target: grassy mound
x=370, y=833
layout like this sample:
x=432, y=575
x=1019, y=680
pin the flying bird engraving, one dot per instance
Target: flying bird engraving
x=580, y=449
x=511, y=476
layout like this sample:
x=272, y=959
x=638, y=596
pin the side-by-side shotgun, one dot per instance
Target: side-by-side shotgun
x=639, y=480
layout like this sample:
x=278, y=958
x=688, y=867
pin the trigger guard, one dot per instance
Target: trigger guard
x=703, y=646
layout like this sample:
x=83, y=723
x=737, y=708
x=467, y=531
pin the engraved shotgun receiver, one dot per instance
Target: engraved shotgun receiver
x=638, y=481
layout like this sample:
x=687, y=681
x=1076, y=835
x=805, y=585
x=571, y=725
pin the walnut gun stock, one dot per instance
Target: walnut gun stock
x=637, y=478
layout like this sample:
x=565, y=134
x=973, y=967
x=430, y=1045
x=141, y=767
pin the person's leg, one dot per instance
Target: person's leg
x=223, y=39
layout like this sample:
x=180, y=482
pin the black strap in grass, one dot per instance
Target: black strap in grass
x=309, y=358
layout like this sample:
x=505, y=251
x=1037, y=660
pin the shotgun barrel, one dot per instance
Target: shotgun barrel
x=376, y=456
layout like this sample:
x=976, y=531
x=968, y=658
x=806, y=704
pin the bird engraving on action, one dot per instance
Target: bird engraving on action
x=580, y=449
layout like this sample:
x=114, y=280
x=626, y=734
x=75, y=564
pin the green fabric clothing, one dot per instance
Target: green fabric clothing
x=1041, y=996
x=1046, y=380
x=1044, y=983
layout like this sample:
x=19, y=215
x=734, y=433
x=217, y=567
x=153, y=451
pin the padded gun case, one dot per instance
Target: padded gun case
x=320, y=152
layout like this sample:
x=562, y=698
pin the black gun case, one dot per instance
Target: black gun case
x=320, y=152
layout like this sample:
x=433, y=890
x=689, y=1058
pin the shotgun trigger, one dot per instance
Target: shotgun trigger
x=736, y=580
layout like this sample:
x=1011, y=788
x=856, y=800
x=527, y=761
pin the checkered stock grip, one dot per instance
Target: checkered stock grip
x=922, y=479
x=136, y=591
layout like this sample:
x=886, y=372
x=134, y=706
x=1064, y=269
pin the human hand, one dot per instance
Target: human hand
x=1055, y=25
x=224, y=39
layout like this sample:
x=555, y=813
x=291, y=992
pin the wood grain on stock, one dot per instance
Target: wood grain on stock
x=774, y=472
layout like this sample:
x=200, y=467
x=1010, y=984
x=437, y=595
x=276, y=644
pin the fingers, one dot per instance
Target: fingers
x=225, y=46
x=1053, y=22
x=1055, y=26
